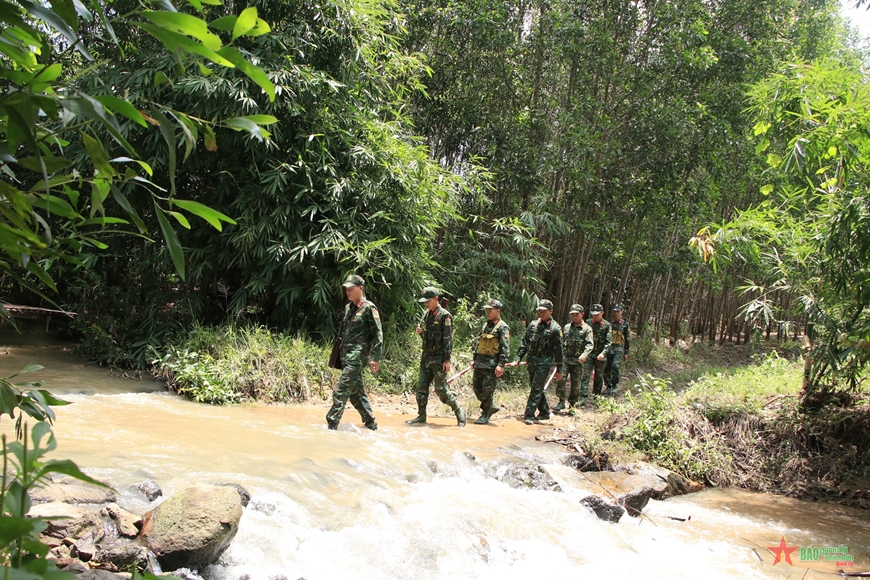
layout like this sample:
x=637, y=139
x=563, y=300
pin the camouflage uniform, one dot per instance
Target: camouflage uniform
x=492, y=350
x=437, y=347
x=361, y=339
x=602, y=339
x=543, y=342
x=578, y=340
x=618, y=351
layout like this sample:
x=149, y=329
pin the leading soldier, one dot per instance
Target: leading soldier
x=578, y=342
x=543, y=342
x=490, y=357
x=362, y=339
x=618, y=350
x=596, y=359
x=436, y=328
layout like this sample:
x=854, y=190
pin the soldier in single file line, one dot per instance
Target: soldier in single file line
x=543, y=343
x=436, y=329
x=489, y=359
x=618, y=350
x=596, y=359
x=577, y=342
x=362, y=340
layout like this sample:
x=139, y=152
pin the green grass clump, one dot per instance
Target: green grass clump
x=230, y=365
x=747, y=388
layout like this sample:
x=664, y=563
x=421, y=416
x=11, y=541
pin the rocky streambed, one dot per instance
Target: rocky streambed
x=90, y=534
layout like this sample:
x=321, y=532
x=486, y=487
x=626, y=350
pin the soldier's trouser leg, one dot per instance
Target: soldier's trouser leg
x=360, y=401
x=614, y=364
x=561, y=389
x=574, y=373
x=484, y=389
x=538, y=376
x=441, y=389
x=349, y=383
x=587, y=375
x=598, y=381
x=424, y=379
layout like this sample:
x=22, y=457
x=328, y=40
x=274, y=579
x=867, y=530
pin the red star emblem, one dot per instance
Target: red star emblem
x=782, y=551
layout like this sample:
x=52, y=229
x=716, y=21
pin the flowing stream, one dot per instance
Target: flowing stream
x=408, y=502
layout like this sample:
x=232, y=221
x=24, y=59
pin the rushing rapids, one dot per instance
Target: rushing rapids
x=408, y=502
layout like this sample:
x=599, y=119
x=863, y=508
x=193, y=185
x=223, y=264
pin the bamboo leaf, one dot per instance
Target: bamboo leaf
x=210, y=215
x=172, y=243
x=245, y=22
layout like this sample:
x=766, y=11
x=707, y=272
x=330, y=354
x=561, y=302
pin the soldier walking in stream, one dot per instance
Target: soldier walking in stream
x=577, y=342
x=543, y=342
x=490, y=357
x=436, y=329
x=595, y=360
x=618, y=350
x=362, y=340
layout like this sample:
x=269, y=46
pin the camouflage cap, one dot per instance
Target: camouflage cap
x=545, y=305
x=577, y=308
x=493, y=304
x=428, y=293
x=617, y=308
x=597, y=309
x=353, y=280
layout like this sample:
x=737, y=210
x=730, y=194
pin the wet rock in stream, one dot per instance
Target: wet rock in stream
x=193, y=527
x=149, y=489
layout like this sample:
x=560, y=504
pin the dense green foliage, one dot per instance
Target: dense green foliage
x=66, y=156
x=811, y=234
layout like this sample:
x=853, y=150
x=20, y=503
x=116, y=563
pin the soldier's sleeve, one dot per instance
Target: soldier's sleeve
x=558, y=351
x=588, y=341
x=504, y=340
x=524, y=344
x=447, y=336
x=627, y=334
x=608, y=340
x=377, y=332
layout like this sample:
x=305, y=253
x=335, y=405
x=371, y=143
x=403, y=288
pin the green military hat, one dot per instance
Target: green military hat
x=493, y=303
x=577, y=309
x=617, y=308
x=428, y=293
x=545, y=305
x=597, y=309
x=353, y=280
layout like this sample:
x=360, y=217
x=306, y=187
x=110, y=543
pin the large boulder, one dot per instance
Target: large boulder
x=68, y=521
x=71, y=493
x=192, y=528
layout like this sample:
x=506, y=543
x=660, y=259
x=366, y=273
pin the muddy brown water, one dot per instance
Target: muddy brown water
x=357, y=504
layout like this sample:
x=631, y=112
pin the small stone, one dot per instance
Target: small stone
x=149, y=489
x=604, y=510
x=128, y=523
x=636, y=500
x=123, y=556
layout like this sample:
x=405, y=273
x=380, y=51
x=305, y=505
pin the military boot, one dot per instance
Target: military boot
x=421, y=411
x=460, y=416
x=560, y=406
x=373, y=425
